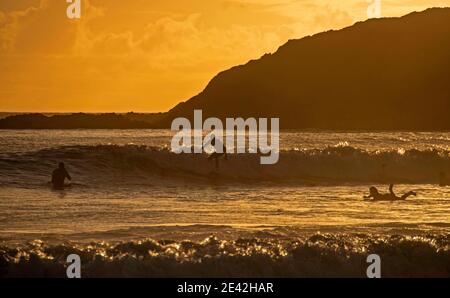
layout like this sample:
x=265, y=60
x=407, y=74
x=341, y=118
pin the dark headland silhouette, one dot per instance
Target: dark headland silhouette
x=391, y=73
x=380, y=74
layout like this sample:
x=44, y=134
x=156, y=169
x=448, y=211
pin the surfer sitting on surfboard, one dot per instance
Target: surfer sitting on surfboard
x=391, y=196
x=59, y=175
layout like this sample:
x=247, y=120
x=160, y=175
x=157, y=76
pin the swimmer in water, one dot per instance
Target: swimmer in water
x=59, y=175
x=391, y=196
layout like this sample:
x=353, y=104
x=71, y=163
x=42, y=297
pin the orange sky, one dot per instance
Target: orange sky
x=146, y=56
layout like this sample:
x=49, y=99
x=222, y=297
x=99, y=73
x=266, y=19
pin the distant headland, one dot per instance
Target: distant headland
x=80, y=121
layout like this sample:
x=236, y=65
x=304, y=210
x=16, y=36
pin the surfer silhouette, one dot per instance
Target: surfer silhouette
x=216, y=155
x=391, y=196
x=59, y=175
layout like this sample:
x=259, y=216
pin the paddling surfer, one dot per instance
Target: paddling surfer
x=391, y=196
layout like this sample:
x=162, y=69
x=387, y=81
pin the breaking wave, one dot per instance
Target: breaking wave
x=339, y=164
x=319, y=255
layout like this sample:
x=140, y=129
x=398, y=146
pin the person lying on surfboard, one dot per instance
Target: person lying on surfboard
x=391, y=196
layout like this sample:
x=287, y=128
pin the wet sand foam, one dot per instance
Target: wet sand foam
x=318, y=255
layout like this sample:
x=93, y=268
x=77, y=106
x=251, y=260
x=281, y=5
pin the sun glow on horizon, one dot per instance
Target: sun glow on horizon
x=147, y=56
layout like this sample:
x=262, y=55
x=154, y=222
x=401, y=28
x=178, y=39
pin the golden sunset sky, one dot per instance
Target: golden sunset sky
x=148, y=55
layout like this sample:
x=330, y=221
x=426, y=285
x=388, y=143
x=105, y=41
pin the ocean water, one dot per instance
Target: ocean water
x=131, y=195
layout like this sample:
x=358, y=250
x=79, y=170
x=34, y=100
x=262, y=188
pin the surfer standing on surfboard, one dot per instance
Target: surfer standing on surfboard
x=391, y=196
x=216, y=155
x=59, y=175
